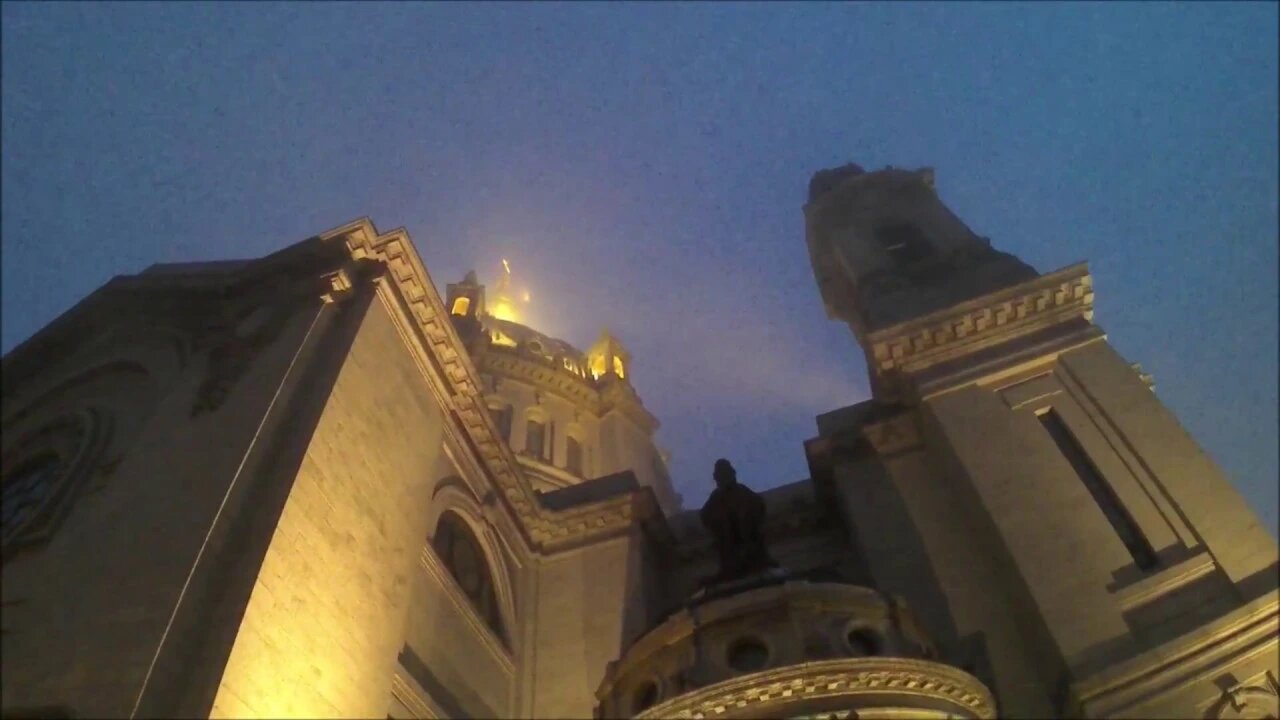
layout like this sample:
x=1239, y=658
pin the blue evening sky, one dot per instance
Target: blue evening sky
x=644, y=166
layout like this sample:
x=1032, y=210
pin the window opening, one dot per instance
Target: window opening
x=1143, y=555
x=573, y=455
x=535, y=438
x=458, y=549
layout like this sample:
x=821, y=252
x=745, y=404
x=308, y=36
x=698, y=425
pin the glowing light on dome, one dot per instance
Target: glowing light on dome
x=503, y=305
x=503, y=309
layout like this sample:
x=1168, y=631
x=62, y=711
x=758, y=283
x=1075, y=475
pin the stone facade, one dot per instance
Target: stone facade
x=287, y=488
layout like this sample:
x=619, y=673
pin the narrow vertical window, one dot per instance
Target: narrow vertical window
x=502, y=418
x=573, y=455
x=534, y=438
x=1143, y=555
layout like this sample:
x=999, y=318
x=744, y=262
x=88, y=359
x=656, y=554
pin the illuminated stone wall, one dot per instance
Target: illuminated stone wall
x=327, y=616
x=590, y=605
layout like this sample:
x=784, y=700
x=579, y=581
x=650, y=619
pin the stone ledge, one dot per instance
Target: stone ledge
x=936, y=689
x=1195, y=658
x=1165, y=581
x=984, y=321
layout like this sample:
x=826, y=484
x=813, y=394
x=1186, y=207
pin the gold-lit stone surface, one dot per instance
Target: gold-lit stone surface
x=820, y=643
x=872, y=687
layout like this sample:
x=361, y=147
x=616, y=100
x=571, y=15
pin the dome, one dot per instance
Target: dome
x=567, y=415
x=513, y=335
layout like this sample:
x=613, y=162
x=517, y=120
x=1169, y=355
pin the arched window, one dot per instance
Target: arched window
x=597, y=366
x=461, y=305
x=500, y=338
x=535, y=435
x=39, y=487
x=573, y=455
x=617, y=367
x=458, y=549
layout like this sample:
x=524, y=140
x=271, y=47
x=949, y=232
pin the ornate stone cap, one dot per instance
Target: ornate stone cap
x=983, y=321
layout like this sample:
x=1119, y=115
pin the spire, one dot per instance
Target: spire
x=505, y=305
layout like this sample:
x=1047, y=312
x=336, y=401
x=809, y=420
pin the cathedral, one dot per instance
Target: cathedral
x=313, y=485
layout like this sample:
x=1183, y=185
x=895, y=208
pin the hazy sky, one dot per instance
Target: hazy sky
x=644, y=166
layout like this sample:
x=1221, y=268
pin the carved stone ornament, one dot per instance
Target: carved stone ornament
x=836, y=684
x=1260, y=701
x=978, y=323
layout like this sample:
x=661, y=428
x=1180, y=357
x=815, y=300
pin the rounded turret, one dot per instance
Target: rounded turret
x=795, y=649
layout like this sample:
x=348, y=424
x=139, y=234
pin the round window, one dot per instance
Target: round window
x=25, y=490
x=863, y=642
x=645, y=696
x=748, y=655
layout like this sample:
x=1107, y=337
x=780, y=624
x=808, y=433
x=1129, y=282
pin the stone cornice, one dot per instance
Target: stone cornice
x=983, y=322
x=1194, y=658
x=597, y=398
x=548, y=472
x=405, y=691
x=684, y=622
x=460, y=387
x=560, y=382
x=837, y=684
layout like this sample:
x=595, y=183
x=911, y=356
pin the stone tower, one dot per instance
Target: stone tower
x=1019, y=482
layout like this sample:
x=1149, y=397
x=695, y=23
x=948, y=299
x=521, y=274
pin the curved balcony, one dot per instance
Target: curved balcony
x=794, y=650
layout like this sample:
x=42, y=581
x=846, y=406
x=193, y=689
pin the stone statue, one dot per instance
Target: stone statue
x=734, y=515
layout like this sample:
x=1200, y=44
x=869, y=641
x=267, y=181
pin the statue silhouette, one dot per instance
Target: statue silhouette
x=734, y=514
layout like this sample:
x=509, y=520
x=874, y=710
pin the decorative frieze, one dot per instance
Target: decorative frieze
x=848, y=682
x=984, y=321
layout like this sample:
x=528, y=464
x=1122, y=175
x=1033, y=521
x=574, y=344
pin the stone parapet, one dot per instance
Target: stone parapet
x=784, y=650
